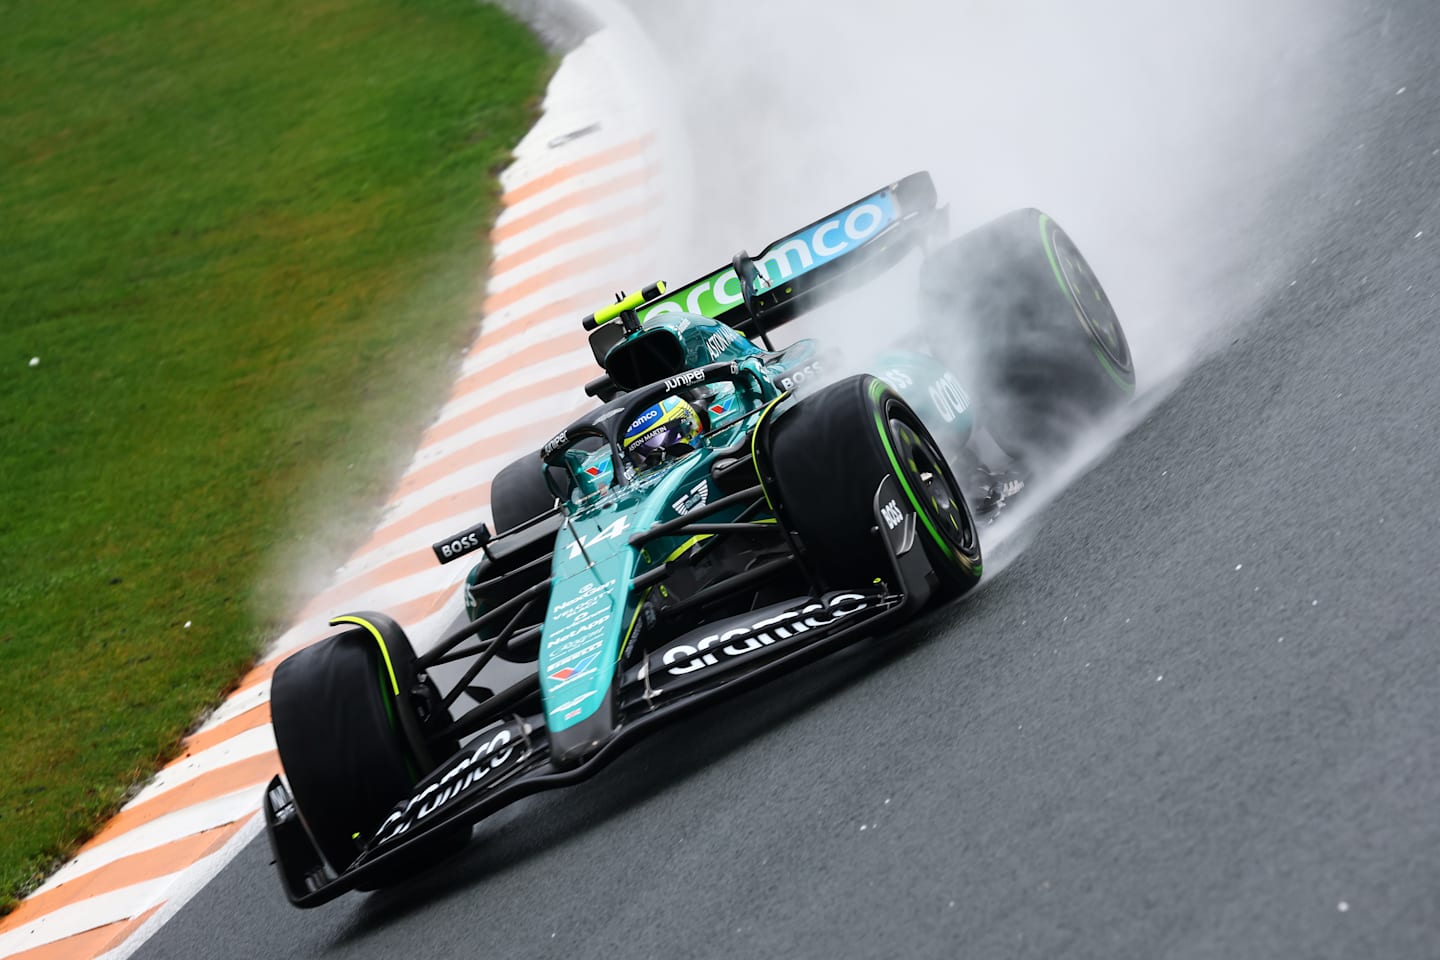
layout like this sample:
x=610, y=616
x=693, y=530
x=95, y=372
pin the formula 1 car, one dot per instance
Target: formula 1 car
x=722, y=516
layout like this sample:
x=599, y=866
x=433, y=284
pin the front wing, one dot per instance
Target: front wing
x=512, y=760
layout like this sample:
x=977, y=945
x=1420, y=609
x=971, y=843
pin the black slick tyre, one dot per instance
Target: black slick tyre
x=1016, y=305
x=519, y=493
x=336, y=719
x=825, y=458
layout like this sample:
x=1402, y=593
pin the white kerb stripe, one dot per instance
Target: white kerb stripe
x=87, y=914
x=181, y=823
x=187, y=883
x=242, y=746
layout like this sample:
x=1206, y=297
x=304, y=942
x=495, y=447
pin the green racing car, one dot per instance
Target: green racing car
x=728, y=511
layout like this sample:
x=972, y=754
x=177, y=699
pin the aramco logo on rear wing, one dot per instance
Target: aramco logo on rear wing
x=846, y=230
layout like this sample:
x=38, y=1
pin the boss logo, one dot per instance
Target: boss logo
x=456, y=547
x=793, y=380
x=462, y=543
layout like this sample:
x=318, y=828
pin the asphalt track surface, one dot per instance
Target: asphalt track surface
x=1109, y=751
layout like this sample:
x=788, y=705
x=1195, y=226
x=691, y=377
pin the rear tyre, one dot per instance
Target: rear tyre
x=827, y=455
x=1016, y=304
x=337, y=727
x=519, y=493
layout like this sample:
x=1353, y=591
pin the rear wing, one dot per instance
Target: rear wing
x=849, y=246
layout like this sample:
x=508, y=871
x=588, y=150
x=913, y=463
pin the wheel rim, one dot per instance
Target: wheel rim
x=934, y=486
x=1091, y=301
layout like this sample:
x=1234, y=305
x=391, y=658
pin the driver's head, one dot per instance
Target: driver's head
x=662, y=432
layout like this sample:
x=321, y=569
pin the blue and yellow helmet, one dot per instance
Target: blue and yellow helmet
x=668, y=429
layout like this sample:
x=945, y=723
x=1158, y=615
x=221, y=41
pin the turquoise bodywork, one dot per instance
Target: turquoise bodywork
x=593, y=613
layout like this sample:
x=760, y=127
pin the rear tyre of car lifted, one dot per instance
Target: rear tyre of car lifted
x=336, y=716
x=1016, y=306
x=826, y=456
x=519, y=493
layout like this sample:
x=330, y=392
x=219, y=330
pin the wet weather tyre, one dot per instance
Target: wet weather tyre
x=1016, y=305
x=334, y=712
x=519, y=493
x=825, y=458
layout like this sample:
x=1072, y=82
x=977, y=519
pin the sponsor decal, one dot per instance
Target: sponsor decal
x=793, y=379
x=554, y=443
x=461, y=546
x=643, y=419
x=718, y=341
x=893, y=515
x=688, y=378
x=588, y=598
x=574, y=635
x=457, y=545
x=565, y=673
x=897, y=378
x=797, y=254
x=684, y=658
x=593, y=471
x=588, y=652
x=640, y=441
x=484, y=764
x=576, y=701
x=697, y=496
x=725, y=403
x=949, y=397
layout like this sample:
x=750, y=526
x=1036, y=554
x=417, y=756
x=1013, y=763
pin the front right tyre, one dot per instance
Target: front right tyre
x=335, y=707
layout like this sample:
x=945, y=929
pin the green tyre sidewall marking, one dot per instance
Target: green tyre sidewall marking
x=1099, y=351
x=877, y=389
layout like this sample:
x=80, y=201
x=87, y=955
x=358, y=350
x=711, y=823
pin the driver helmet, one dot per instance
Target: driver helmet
x=666, y=430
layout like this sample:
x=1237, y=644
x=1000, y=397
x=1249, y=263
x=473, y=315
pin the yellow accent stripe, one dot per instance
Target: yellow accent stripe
x=755, y=436
x=374, y=632
x=631, y=629
x=687, y=545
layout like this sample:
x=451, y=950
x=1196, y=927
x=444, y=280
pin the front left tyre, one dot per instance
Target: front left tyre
x=825, y=458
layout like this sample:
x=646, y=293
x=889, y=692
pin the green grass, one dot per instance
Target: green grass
x=243, y=239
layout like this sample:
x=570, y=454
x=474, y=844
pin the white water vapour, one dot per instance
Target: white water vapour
x=1154, y=133
x=1150, y=131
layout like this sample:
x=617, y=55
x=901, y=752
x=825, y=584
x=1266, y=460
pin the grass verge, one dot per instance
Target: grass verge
x=242, y=241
